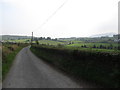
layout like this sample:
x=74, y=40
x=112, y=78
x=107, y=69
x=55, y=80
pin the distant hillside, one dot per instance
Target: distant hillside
x=104, y=35
x=14, y=37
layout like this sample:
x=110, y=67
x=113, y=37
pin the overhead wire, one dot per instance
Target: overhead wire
x=51, y=15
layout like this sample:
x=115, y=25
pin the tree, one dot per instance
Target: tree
x=37, y=42
x=82, y=46
x=85, y=46
x=48, y=38
x=94, y=46
x=40, y=38
x=101, y=46
x=54, y=39
x=111, y=46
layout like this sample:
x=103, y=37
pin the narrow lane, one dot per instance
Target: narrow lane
x=28, y=71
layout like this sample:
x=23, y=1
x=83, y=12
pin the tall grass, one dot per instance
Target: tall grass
x=9, y=51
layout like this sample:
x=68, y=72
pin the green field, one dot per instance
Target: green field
x=49, y=42
x=20, y=41
x=92, y=44
x=75, y=44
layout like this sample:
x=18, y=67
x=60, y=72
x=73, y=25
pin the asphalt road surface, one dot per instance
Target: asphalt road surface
x=28, y=71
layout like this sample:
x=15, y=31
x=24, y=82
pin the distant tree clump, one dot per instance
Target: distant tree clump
x=84, y=46
x=48, y=38
x=102, y=47
x=94, y=46
x=54, y=39
x=37, y=42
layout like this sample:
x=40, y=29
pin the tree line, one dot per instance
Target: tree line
x=102, y=46
x=43, y=38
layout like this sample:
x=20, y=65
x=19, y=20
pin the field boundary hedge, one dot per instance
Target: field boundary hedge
x=101, y=68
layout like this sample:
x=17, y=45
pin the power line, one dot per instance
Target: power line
x=51, y=15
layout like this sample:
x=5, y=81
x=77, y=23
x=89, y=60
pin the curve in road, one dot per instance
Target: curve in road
x=28, y=71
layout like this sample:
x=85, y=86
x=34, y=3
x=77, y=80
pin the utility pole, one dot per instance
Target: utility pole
x=32, y=38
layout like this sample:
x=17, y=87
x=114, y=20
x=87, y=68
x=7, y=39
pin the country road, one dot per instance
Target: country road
x=28, y=71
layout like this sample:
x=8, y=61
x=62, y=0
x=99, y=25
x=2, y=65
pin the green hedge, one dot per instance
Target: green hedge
x=100, y=68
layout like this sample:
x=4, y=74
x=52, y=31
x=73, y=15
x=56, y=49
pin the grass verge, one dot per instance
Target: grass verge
x=8, y=57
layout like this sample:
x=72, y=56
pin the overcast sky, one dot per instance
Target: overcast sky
x=58, y=18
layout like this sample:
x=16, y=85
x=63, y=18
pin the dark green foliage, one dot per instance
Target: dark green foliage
x=98, y=67
x=37, y=42
x=84, y=46
x=48, y=38
x=94, y=46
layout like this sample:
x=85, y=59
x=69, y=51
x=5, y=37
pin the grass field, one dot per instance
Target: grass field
x=112, y=51
x=74, y=44
x=78, y=44
x=92, y=44
x=65, y=46
x=20, y=41
x=49, y=42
